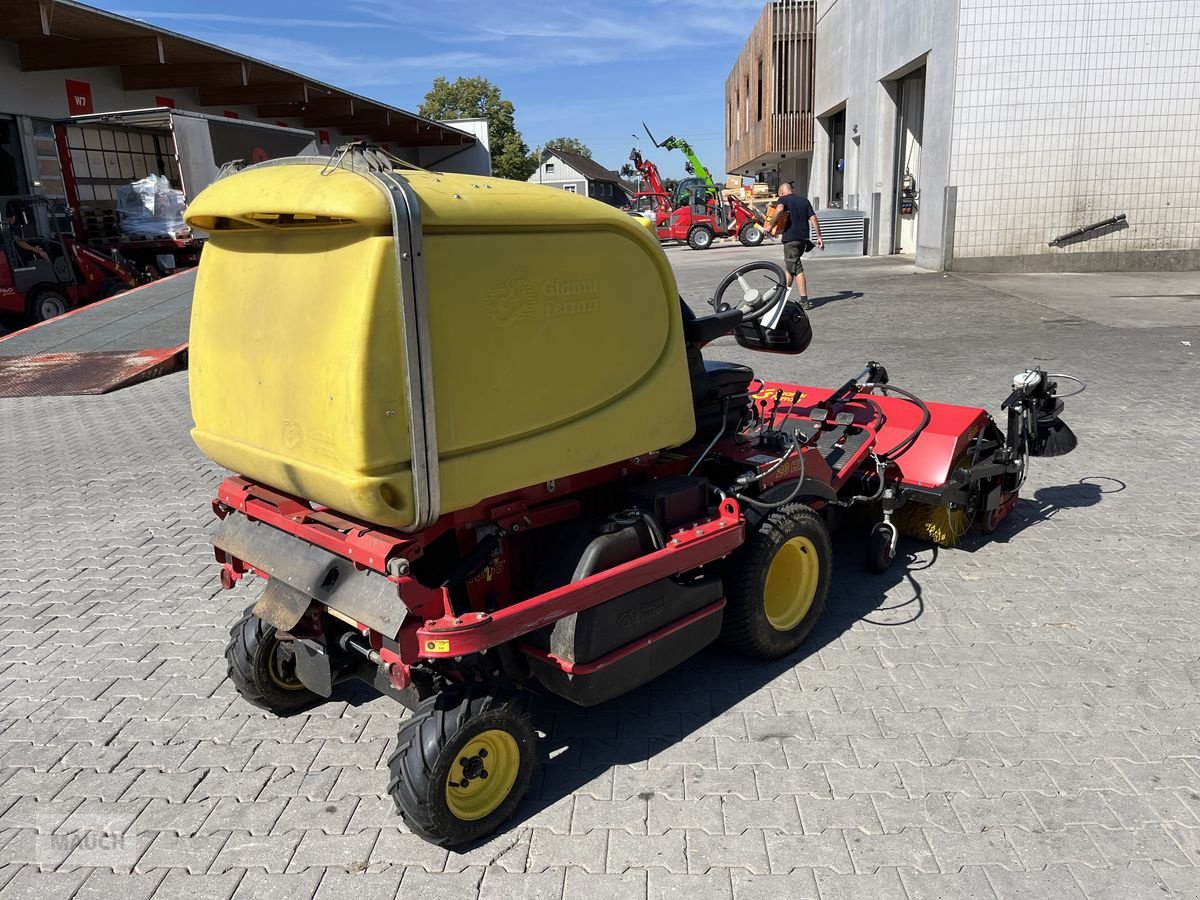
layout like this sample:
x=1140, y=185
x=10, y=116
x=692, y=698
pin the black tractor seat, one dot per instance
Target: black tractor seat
x=718, y=388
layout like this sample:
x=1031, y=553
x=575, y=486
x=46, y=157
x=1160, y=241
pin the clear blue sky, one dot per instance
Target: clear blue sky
x=587, y=70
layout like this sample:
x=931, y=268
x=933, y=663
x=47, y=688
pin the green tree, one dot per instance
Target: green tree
x=569, y=145
x=477, y=97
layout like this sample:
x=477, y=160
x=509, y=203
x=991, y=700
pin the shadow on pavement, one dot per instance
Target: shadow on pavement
x=834, y=298
x=583, y=746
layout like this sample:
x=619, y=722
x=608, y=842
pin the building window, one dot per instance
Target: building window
x=760, y=89
x=569, y=188
x=549, y=168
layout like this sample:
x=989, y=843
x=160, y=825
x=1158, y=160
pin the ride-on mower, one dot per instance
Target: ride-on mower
x=480, y=454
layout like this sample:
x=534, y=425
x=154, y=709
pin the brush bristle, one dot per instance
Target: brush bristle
x=1054, y=439
x=944, y=525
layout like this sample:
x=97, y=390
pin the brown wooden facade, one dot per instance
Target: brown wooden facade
x=769, y=93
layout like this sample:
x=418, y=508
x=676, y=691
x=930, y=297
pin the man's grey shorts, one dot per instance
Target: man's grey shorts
x=792, y=251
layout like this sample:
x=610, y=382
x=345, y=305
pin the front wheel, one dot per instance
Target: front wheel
x=263, y=668
x=751, y=235
x=776, y=583
x=700, y=237
x=46, y=304
x=463, y=763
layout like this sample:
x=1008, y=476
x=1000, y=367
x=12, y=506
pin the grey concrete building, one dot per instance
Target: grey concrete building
x=975, y=132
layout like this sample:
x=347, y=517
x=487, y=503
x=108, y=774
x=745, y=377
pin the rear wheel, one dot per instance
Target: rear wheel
x=776, y=583
x=263, y=668
x=464, y=761
x=700, y=237
x=110, y=287
x=751, y=235
x=46, y=304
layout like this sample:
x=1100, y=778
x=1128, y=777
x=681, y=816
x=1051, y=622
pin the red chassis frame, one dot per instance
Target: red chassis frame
x=433, y=629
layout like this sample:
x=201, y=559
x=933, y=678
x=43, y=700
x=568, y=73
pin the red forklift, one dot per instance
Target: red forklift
x=45, y=271
x=695, y=214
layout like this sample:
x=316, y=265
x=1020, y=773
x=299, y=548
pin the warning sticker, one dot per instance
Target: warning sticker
x=437, y=646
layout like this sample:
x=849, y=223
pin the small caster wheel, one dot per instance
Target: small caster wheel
x=463, y=763
x=263, y=668
x=881, y=547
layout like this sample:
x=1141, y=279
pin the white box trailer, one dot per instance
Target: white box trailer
x=101, y=153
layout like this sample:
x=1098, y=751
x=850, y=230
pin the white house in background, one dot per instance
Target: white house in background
x=583, y=176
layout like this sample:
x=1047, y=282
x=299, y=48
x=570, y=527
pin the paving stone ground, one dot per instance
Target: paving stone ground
x=1017, y=717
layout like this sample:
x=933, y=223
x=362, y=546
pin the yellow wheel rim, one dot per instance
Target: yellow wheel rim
x=277, y=673
x=483, y=774
x=791, y=583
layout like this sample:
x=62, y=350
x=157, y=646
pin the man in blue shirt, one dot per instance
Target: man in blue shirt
x=799, y=215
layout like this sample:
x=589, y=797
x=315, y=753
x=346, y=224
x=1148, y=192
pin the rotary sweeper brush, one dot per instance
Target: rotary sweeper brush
x=481, y=454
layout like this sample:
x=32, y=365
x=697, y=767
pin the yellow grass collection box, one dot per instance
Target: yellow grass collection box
x=399, y=345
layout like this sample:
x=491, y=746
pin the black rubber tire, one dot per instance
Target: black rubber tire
x=700, y=237
x=35, y=310
x=751, y=234
x=746, y=628
x=429, y=743
x=251, y=652
x=110, y=287
x=879, y=553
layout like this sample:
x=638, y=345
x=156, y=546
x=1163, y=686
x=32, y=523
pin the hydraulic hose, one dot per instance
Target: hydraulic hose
x=907, y=442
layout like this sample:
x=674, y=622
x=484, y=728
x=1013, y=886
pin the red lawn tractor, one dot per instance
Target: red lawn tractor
x=44, y=271
x=503, y=465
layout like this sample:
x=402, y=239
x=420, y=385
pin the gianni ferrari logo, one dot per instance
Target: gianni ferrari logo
x=515, y=299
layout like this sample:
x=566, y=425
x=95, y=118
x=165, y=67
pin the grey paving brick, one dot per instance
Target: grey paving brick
x=748, y=851
x=627, y=851
x=969, y=884
x=1038, y=850
x=587, y=851
x=870, y=852
x=241, y=786
x=177, y=818
x=30, y=884
x=664, y=885
x=350, y=851
x=230, y=814
x=195, y=853
x=103, y=885
x=499, y=884
x=256, y=884
x=818, y=815
x=580, y=883
x=272, y=853
x=446, y=886
x=703, y=814
x=591, y=814
x=401, y=849
x=700, y=782
x=952, y=852
x=883, y=884
x=788, y=852
x=801, y=885
x=340, y=885
x=1051, y=881
x=330, y=816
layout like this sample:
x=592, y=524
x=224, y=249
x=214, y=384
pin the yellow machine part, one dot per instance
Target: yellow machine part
x=554, y=331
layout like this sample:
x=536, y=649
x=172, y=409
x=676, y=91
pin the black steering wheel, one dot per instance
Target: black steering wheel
x=752, y=289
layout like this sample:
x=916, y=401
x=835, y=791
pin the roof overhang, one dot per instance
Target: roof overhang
x=63, y=34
